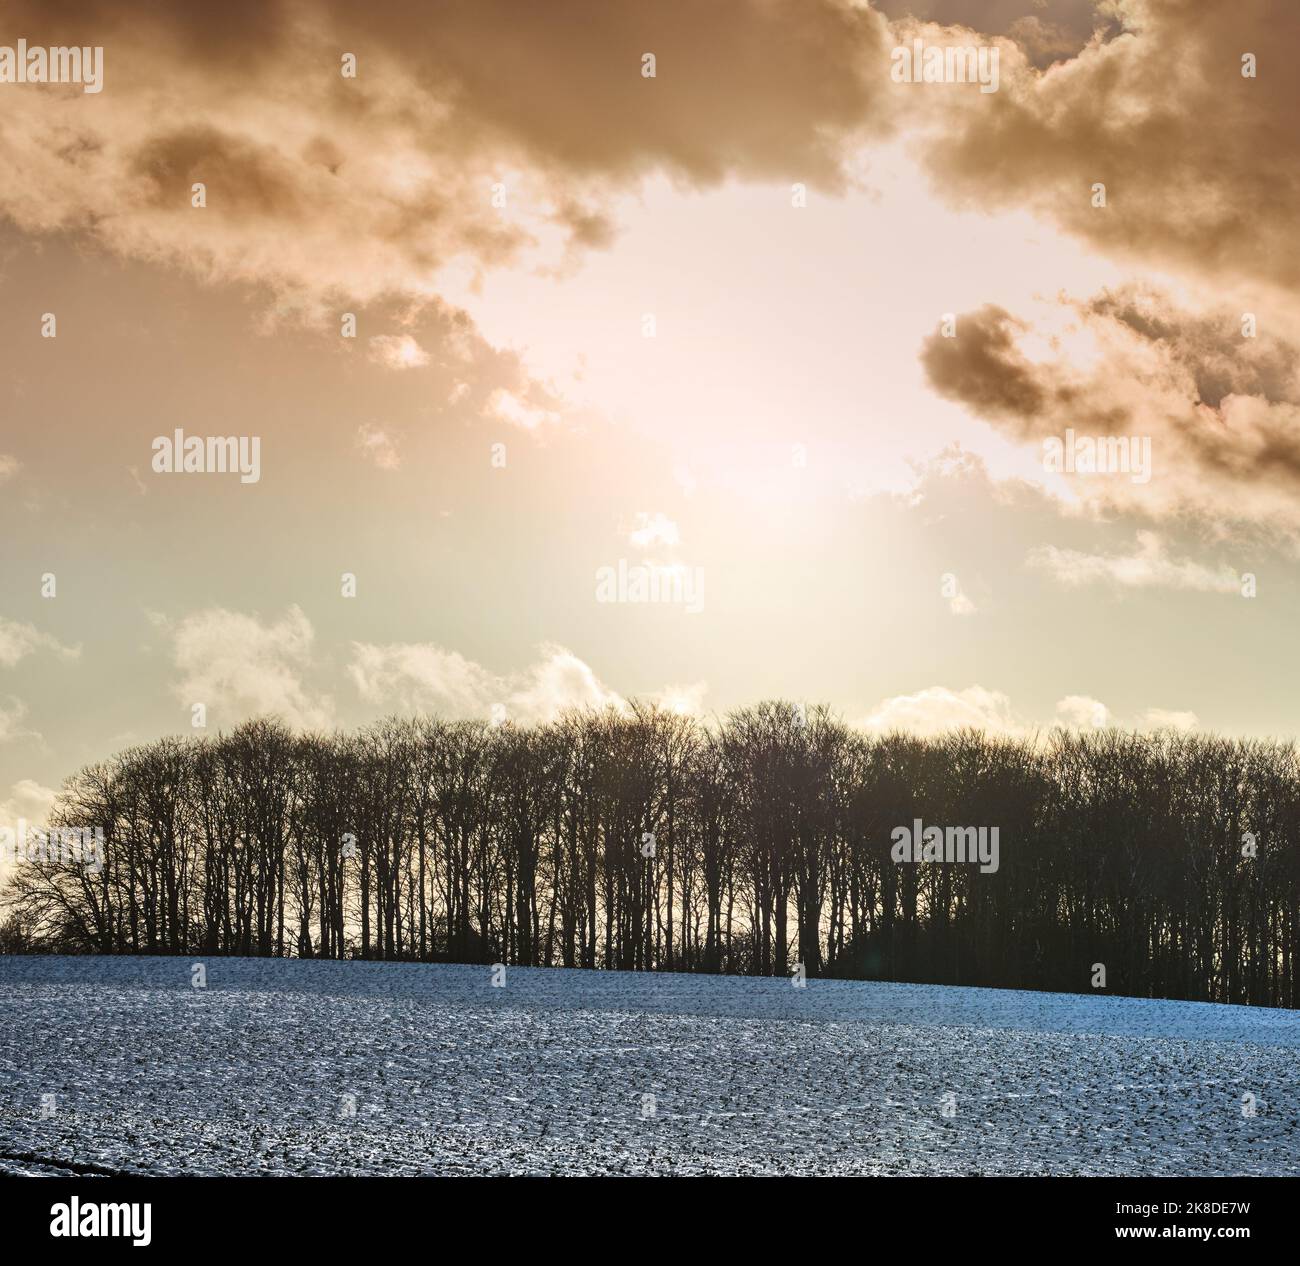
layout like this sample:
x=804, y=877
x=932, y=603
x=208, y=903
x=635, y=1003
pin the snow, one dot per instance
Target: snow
x=288, y=1067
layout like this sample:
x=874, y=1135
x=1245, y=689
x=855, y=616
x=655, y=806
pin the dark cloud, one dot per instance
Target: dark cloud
x=983, y=368
x=1201, y=166
x=760, y=89
x=1048, y=30
x=234, y=34
x=370, y=184
x=249, y=179
x=1211, y=347
x=1222, y=410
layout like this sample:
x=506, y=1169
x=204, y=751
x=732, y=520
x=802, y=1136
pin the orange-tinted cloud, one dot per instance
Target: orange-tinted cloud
x=1221, y=410
x=1201, y=165
x=470, y=130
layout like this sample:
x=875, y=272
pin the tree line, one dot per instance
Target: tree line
x=643, y=840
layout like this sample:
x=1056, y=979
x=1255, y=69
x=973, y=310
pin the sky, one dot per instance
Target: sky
x=533, y=312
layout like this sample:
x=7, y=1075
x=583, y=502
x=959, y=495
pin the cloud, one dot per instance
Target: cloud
x=397, y=351
x=517, y=410
x=653, y=529
x=427, y=677
x=982, y=367
x=12, y=712
x=8, y=467
x=20, y=640
x=1067, y=32
x=1044, y=42
x=1147, y=566
x=378, y=447
x=683, y=700
x=27, y=800
x=741, y=86
x=320, y=185
x=1160, y=719
x=555, y=683
x=1198, y=161
x=1216, y=413
x=1078, y=712
x=937, y=710
x=424, y=676
x=1082, y=713
x=240, y=666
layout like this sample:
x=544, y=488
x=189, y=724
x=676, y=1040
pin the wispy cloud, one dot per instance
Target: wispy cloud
x=239, y=665
x=17, y=641
x=424, y=676
x=430, y=677
x=378, y=447
x=397, y=351
x=653, y=529
x=1148, y=565
x=508, y=406
x=940, y=710
x=12, y=713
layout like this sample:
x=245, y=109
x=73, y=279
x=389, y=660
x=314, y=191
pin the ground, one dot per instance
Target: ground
x=288, y=1067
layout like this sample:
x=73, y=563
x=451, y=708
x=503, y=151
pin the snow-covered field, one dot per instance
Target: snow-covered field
x=382, y=1068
